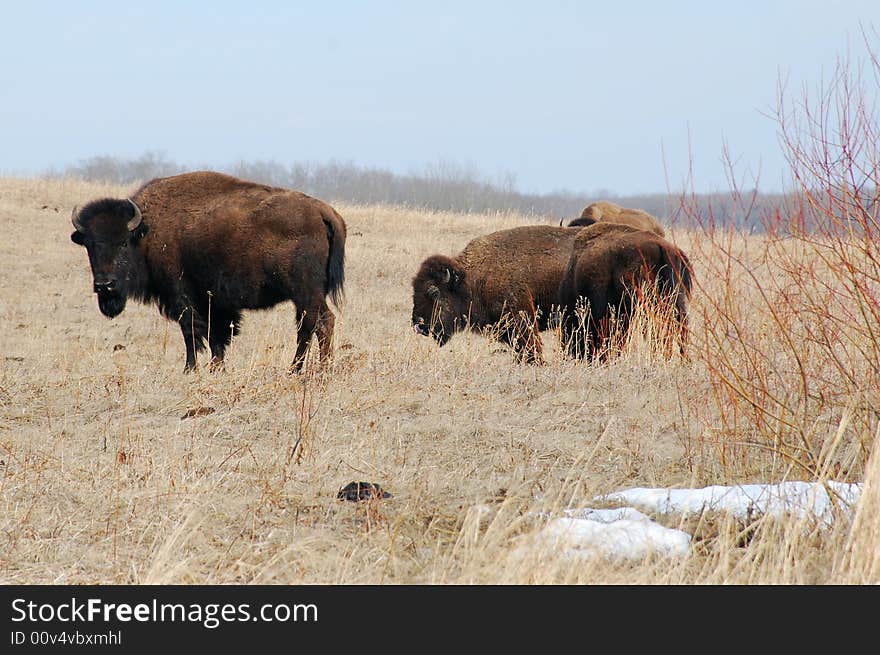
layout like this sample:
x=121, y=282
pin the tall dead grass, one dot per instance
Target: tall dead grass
x=116, y=468
x=103, y=480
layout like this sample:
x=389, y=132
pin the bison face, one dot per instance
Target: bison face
x=108, y=228
x=441, y=300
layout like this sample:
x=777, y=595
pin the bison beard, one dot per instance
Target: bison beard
x=204, y=246
x=111, y=304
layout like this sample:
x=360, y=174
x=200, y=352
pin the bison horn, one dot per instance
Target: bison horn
x=74, y=217
x=447, y=276
x=136, y=219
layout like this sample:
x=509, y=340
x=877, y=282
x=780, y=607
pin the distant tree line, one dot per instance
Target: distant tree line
x=443, y=187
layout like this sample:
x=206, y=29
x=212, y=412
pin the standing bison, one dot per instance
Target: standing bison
x=506, y=281
x=608, y=212
x=204, y=246
x=610, y=267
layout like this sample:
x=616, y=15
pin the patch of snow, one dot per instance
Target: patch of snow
x=626, y=533
x=606, y=515
x=600, y=533
x=803, y=499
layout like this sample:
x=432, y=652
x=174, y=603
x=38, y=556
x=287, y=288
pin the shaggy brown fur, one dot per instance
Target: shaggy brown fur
x=507, y=280
x=610, y=266
x=608, y=212
x=204, y=246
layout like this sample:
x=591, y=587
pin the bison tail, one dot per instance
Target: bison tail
x=336, y=259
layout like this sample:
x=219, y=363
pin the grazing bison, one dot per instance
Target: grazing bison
x=507, y=281
x=204, y=246
x=610, y=266
x=607, y=212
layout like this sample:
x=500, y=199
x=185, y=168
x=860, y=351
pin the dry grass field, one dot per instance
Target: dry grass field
x=104, y=478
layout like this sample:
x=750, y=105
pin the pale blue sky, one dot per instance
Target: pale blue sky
x=583, y=96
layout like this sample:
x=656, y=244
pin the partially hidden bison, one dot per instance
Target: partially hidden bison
x=609, y=212
x=204, y=246
x=612, y=268
x=506, y=282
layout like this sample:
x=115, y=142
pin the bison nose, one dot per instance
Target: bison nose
x=421, y=328
x=104, y=286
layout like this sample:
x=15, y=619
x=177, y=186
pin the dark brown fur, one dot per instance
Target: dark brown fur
x=507, y=280
x=608, y=212
x=610, y=265
x=211, y=245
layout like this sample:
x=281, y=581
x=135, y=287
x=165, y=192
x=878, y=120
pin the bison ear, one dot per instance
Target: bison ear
x=139, y=232
x=78, y=238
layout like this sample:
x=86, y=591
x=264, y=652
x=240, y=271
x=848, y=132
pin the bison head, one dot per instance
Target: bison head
x=108, y=229
x=441, y=300
x=582, y=221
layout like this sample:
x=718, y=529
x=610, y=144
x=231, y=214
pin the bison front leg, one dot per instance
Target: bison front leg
x=195, y=331
x=525, y=339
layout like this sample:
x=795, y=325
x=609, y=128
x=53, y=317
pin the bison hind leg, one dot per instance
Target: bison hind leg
x=316, y=319
x=676, y=329
x=620, y=321
x=324, y=329
x=530, y=351
x=589, y=323
x=529, y=348
x=223, y=326
x=573, y=334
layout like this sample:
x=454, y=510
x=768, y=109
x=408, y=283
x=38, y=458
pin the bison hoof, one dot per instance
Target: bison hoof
x=217, y=365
